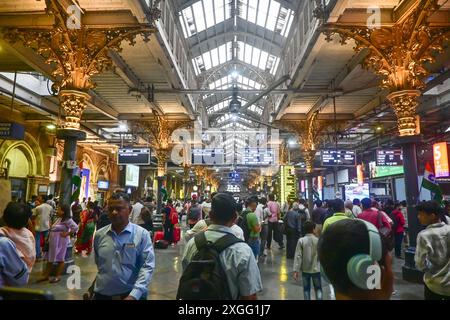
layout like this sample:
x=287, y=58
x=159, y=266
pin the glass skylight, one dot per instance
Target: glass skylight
x=204, y=14
x=242, y=82
x=225, y=103
x=268, y=14
x=228, y=116
x=246, y=53
x=212, y=58
x=258, y=58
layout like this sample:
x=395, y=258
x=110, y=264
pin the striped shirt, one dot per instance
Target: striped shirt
x=433, y=257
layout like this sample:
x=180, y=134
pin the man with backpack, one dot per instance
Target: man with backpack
x=216, y=264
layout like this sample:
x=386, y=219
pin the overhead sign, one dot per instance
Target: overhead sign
x=209, y=156
x=440, y=156
x=136, y=156
x=257, y=156
x=384, y=171
x=234, y=176
x=13, y=131
x=338, y=157
x=389, y=157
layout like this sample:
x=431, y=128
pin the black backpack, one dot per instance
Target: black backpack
x=242, y=222
x=204, y=277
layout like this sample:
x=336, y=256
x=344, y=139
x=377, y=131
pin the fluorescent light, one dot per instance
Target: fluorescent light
x=234, y=74
x=291, y=142
x=50, y=126
x=123, y=127
x=448, y=129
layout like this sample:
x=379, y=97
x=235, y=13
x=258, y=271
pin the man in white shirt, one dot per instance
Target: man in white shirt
x=41, y=216
x=136, y=213
x=356, y=207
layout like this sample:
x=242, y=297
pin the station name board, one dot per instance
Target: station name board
x=389, y=157
x=137, y=156
x=338, y=157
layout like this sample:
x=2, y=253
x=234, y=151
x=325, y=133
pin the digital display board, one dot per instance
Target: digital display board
x=134, y=156
x=389, y=157
x=132, y=176
x=384, y=171
x=14, y=131
x=338, y=157
x=288, y=184
x=103, y=185
x=257, y=156
x=208, y=156
x=440, y=156
x=356, y=191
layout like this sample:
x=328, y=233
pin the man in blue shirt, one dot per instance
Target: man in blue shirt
x=124, y=255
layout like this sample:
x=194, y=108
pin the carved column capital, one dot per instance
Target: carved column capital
x=405, y=105
x=73, y=102
x=309, y=156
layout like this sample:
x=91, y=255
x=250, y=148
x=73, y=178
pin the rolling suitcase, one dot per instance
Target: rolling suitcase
x=176, y=234
x=159, y=235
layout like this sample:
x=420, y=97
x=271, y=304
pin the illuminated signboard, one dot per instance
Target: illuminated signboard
x=208, y=156
x=288, y=185
x=389, y=157
x=103, y=185
x=13, y=131
x=384, y=171
x=257, y=156
x=338, y=157
x=353, y=191
x=134, y=156
x=440, y=155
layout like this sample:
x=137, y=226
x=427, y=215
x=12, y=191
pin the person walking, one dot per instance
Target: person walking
x=59, y=240
x=42, y=215
x=318, y=216
x=253, y=225
x=241, y=277
x=86, y=230
x=273, y=227
x=123, y=254
x=306, y=262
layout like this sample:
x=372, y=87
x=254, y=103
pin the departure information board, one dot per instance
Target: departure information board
x=389, y=157
x=208, y=156
x=338, y=157
x=257, y=156
x=134, y=156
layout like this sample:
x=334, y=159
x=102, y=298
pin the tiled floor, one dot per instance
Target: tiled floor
x=275, y=271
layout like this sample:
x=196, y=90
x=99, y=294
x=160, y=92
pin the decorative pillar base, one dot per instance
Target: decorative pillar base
x=408, y=145
x=70, y=137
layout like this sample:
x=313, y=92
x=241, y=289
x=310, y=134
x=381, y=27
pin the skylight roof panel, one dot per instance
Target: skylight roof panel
x=251, y=10
x=248, y=53
x=255, y=56
x=287, y=26
x=199, y=16
x=274, y=11
x=222, y=54
x=262, y=13
x=263, y=60
x=207, y=60
x=215, y=57
x=219, y=10
x=209, y=16
x=274, y=68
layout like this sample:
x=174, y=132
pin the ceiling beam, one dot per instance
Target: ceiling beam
x=100, y=105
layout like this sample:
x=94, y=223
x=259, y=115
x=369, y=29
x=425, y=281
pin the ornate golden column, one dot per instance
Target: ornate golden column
x=77, y=52
x=398, y=53
x=160, y=129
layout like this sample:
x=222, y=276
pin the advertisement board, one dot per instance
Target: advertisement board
x=354, y=190
x=132, y=176
x=440, y=156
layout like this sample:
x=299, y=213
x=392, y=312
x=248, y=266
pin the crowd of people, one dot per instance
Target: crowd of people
x=225, y=240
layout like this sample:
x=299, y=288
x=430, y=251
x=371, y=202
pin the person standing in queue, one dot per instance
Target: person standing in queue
x=123, y=254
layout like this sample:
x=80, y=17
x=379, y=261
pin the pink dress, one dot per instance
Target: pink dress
x=57, y=244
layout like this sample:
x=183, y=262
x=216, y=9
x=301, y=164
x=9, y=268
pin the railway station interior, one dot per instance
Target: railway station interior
x=312, y=135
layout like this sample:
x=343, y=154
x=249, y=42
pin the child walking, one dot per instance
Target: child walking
x=306, y=262
x=59, y=239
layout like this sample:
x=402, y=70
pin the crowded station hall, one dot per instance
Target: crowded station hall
x=224, y=150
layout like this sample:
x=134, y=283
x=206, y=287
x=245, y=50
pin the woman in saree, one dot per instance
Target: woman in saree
x=86, y=230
